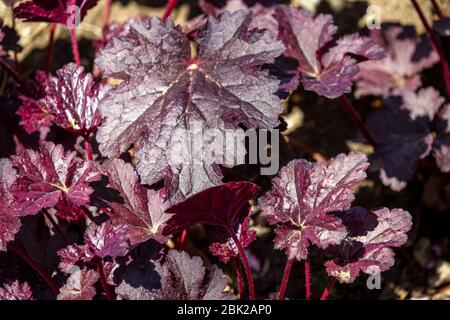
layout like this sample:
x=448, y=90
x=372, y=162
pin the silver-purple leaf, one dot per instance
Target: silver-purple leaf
x=50, y=175
x=172, y=84
x=79, y=286
x=182, y=278
x=16, y=291
x=406, y=56
x=326, y=71
x=107, y=239
x=367, y=248
x=441, y=144
x=302, y=196
x=72, y=97
x=141, y=210
x=9, y=221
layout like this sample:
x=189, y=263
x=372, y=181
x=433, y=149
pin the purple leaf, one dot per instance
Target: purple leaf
x=225, y=207
x=304, y=193
x=49, y=176
x=177, y=92
x=403, y=135
x=16, y=291
x=441, y=144
x=107, y=240
x=262, y=12
x=442, y=26
x=8, y=40
x=367, y=248
x=72, y=98
x=141, y=210
x=9, y=222
x=58, y=11
x=324, y=70
x=79, y=286
x=182, y=278
x=406, y=56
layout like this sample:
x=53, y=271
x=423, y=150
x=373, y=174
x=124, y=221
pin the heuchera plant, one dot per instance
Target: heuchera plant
x=113, y=205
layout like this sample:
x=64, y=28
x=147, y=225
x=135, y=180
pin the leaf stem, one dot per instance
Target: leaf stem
x=101, y=271
x=106, y=16
x=436, y=46
x=171, y=4
x=240, y=280
x=308, y=279
x=26, y=258
x=438, y=9
x=356, y=119
x=285, y=279
x=48, y=56
x=330, y=286
x=13, y=23
x=76, y=52
x=183, y=237
x=56, y=226
x=13, y=73
x=245, y=263
x=88, y=149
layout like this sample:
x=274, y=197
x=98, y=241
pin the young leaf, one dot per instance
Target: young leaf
x=172, y=87
x=79, y=286
x=72, y=98
x=367, y=247
x=406, y=56
x=66, y=12
x=73, y=254
x=182, y=278
x=16, y=291
x=141, y=210
x=224, y=248
x=9, y=222
x=302, y=196
x=107, y=240
x=324, y=70
x=224, y=207
x=49, y=176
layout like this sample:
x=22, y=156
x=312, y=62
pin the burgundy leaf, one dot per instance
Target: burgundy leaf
x=107, y=240
x=406, y=56
x=16, y=291
x=141, y=210
x=367, y=248
x=324, y=70
x=79, y=286
x=174, y=89
x=72, y=98
x=304, y=193
x=225, y=206
x=9, y=222
x=181, y=278
x=49, y=176
x=58, y=11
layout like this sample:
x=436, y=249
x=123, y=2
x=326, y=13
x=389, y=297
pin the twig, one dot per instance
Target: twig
x=438, y=9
